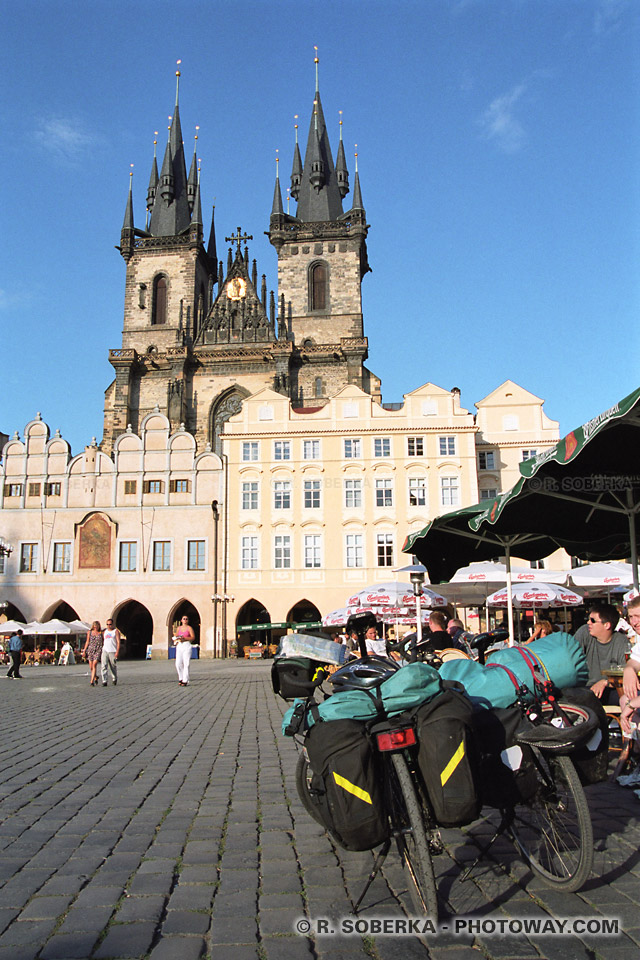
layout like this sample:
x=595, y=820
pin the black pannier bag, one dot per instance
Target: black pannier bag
x=293, y=677
x=591, y=759
x=506, y=771
x=447, y=757
x=347, y=784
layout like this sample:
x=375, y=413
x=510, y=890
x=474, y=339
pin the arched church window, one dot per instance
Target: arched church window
x=318, y=386
x=159, y=301
x=318, y=286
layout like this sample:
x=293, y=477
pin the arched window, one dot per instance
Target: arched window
x=159, y=301
x=318, y=386
x=318, y=286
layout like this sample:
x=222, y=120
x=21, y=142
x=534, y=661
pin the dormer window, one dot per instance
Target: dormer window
x=159, y=315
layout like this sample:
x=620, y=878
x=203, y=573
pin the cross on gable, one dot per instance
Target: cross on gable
x=238, y=238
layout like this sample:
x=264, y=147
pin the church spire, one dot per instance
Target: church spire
x=171, y=214
x=319, y=197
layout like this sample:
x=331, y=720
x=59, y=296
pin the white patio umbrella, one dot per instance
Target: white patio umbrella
x=397, y=595
x=535, y=596
x=79, y=626
x=10, y=626
x=35, y=628
x=603, y=575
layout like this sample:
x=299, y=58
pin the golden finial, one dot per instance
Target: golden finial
x=196, y=137
x=340, y=112
x=130, y=175
x=277, y=165
x=356, y=156
x=316, y=61
x=288, y=198
x=295, y=117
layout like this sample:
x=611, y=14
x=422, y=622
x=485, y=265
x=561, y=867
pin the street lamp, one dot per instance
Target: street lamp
x=417, y=573
x=5, y=548
x=223, y=599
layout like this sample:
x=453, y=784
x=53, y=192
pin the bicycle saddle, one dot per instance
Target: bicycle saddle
x=363, y=674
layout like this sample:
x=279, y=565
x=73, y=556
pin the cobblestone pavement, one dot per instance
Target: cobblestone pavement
x=154, y=821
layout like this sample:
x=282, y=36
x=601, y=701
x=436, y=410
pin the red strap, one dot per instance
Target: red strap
x=510, y=674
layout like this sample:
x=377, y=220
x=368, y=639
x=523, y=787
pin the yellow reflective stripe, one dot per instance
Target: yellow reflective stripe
x=453, y=763
x=352, y=788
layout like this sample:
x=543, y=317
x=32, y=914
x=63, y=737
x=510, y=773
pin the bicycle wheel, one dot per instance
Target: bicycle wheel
x=303, y=784
x=411, y=839
x=553, y=830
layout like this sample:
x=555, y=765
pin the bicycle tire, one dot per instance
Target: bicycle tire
x=303, y=782
x=553, y=831
x=407, y=824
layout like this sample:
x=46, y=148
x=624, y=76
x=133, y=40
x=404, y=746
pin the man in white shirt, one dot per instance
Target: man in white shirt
x=110, y=651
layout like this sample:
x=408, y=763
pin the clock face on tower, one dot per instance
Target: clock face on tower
x=236, y=288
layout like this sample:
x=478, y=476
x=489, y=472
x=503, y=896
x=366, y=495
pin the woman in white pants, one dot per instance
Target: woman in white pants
x=183, y=640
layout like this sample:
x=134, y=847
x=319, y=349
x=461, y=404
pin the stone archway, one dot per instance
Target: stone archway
x=222, y=408
x=183, y=608
x=61, y=611
x=304, y=612
x=248, y=630
x=135, y=624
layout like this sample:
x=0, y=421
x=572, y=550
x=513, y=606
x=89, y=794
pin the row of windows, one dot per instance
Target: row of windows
x=128, y=556
x=352, y=448
x=352, y=493
x=312, y=551
x=130, y=487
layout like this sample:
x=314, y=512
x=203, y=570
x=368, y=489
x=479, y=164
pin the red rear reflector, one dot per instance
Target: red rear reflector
x=396, y=739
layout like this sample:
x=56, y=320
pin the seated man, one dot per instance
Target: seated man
x=455, y=628
x=603, y=648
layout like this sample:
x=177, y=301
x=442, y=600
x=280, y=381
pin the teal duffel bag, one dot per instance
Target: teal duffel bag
x=484, y=687
x=560, y=659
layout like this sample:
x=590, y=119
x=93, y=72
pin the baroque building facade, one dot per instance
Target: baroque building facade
x=249, y=474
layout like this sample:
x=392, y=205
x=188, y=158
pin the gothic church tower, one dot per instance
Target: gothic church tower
x=322, y=258
x=197, y=340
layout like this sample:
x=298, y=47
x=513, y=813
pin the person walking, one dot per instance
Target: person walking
x=92, y=650
x=15, y=651
x=183, y=639
x=110, y=652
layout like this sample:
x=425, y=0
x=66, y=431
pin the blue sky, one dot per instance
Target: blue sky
x=499, y=159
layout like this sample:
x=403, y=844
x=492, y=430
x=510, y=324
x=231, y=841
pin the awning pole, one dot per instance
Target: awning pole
x=509, y=596
x=632, y=537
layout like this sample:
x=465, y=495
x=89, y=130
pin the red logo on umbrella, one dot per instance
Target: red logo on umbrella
x=570, y=444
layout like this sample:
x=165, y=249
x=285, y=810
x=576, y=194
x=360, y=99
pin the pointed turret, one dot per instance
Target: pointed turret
x=296, y=171
x=357, y=193
x=127, y=234
x=342, y=174
x=211, y=248
x=128, y=213
x=192, y=182
x=153, y=178
x=277, y=208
